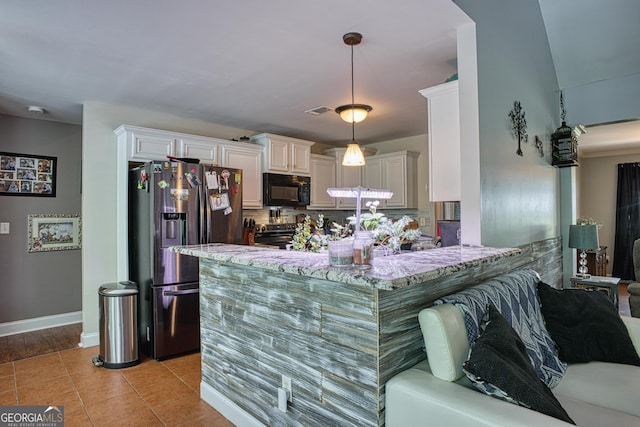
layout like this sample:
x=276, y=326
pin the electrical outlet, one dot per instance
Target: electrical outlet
x=423, y=222
x=4, y=228
x=286, y=384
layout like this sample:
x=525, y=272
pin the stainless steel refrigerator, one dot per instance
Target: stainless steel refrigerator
x=174, y=203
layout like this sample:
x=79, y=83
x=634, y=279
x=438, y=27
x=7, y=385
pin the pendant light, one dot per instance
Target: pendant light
x=353, y=113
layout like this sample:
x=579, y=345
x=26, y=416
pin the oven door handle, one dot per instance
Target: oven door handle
x=178, y=293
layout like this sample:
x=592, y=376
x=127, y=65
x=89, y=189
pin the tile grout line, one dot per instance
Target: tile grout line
x=148, y=406
x=75, y=388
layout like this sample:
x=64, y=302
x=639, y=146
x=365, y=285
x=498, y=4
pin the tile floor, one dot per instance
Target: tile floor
x=165, y=393
x=153, y=393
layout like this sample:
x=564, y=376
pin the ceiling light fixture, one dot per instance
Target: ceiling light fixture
x=353, y=113
x=35, y=109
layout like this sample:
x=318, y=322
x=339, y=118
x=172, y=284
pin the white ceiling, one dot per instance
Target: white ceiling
x=592, y=41
x=250, y=64
x=256, y=64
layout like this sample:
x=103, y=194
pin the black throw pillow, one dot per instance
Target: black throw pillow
x=586, y=326
x=499, y=366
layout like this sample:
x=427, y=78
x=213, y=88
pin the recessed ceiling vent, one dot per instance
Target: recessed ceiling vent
x=316, y=111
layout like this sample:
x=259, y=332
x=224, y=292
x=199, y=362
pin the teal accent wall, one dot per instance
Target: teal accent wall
x=519, y=196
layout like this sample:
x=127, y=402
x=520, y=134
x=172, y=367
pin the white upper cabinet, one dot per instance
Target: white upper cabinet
x=247, y=157
x=323, y=176
x=396, y=172
x=285, y=155
x=444, y=142
x=142, y=144
x=204, y=149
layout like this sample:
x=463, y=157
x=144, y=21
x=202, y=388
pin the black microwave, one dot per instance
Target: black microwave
x=286, y=190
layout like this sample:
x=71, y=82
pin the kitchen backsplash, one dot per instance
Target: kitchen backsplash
x=288, y=215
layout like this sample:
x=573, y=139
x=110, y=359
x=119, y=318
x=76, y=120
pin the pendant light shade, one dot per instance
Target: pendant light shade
x=353, y=113
x=353, y=156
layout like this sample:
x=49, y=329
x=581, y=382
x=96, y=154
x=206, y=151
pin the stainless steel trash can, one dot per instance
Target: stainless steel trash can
x=118, y=305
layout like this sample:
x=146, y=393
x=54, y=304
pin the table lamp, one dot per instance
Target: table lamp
x=583, y=237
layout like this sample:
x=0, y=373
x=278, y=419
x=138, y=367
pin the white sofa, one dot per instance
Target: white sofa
x=436, y=392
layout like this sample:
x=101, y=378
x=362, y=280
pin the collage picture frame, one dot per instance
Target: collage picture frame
x=27, y=175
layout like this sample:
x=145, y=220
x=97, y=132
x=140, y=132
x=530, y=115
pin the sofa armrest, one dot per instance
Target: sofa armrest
x=416, y=398
x=633, y=326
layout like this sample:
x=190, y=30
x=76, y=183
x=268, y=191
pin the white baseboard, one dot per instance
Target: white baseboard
x=89, y=339
x=227, y=408
x=36, y=324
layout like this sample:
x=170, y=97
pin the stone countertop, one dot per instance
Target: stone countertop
x=387, y=273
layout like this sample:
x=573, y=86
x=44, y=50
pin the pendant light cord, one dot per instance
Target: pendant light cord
x=353, y=121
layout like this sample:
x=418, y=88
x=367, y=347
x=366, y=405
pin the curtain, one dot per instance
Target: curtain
x=627, y=220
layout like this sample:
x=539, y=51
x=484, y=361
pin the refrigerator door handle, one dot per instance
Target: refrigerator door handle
x=204, y=214
x=178, y=293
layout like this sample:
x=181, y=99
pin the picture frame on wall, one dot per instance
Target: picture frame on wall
x=54, y=232
x=27, y=175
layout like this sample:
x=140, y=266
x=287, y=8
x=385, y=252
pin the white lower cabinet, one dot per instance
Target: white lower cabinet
x=323, y=176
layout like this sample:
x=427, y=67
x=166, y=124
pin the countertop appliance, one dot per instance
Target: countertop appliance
x=286, y=190
x=278, y=235
x=174, y=203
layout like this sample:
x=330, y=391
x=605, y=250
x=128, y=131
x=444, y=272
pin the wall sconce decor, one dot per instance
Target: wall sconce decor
x=518, y=125
x=564, y=143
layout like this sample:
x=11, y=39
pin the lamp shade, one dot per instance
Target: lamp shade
x=353, y=156
x=583, y=237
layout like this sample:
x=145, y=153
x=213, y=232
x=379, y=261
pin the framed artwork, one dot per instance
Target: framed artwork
x=27, y=175
x=54, y=232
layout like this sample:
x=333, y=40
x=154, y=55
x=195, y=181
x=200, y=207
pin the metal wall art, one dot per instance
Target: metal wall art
x=518, y=125
x=27, y=175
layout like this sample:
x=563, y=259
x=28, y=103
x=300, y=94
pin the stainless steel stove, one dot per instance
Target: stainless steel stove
x=279, y=235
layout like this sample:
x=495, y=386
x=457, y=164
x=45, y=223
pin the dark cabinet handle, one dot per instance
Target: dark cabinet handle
x=178, y=293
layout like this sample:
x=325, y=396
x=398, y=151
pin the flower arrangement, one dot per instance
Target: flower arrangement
x=369, y=221
x=386, y=232
x=307, y=238
x=588, y=221
x=394, y=234
x=311, y=237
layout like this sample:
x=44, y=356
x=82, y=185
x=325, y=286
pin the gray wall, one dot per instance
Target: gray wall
x=45, y=283
x=519, y=195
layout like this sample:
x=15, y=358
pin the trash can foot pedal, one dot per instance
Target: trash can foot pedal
x=97, y=361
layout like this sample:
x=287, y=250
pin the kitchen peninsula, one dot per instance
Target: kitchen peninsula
x=338, y=334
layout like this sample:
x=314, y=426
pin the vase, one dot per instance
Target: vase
x=363, y=249
x=340, y=253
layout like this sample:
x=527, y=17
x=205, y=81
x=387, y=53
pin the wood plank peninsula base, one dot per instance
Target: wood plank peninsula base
x=339, y=334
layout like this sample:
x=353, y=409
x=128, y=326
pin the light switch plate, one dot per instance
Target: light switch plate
x=4, y=228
